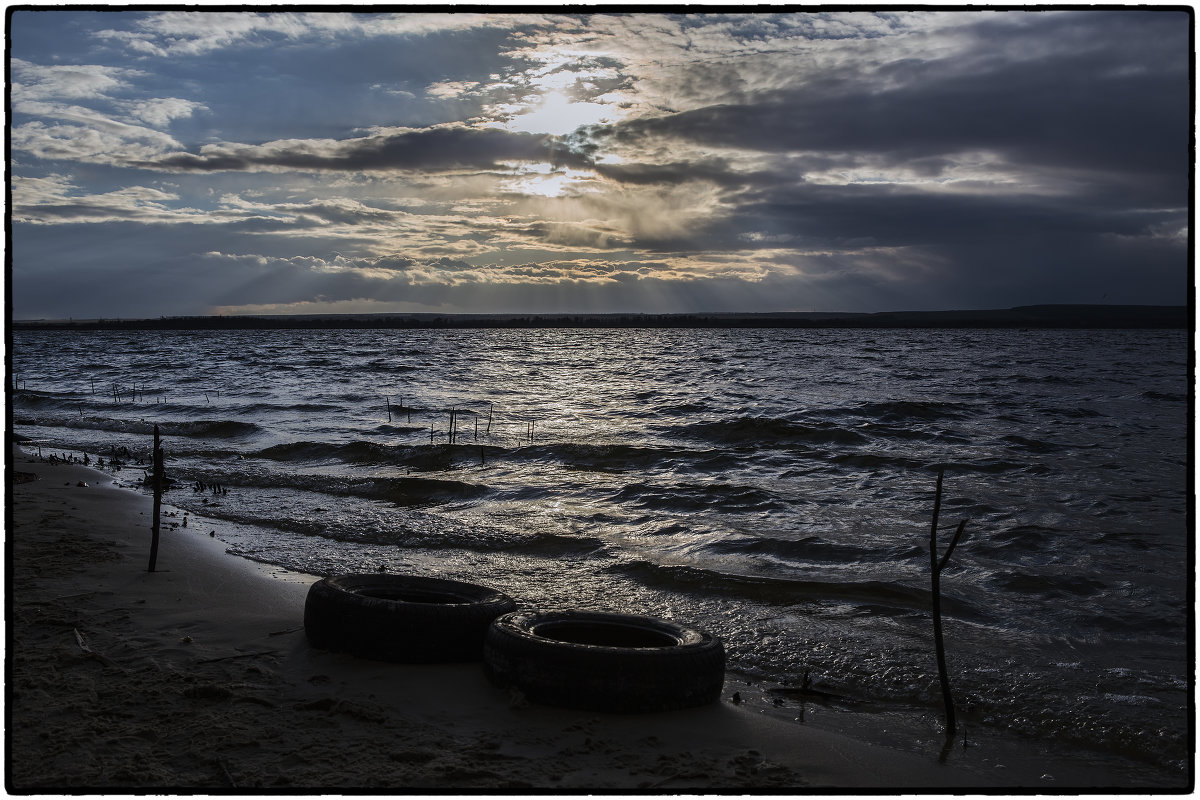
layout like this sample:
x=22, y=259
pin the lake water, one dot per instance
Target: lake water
x=774, y=487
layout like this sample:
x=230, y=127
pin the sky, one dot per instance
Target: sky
x=170, y=163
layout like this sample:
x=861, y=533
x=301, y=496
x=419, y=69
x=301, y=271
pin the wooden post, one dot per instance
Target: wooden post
x=936, y=566
x=158, y=483
x=489, y=427
x=388, y=400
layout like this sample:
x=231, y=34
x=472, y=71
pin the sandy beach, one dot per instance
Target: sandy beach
x=199, y=677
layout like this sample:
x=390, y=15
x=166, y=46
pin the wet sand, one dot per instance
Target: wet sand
x=199, y=677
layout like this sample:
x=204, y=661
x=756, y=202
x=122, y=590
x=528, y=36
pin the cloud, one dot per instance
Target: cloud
x=32, y=82
x=161, y=111
x=1068, y=96
x=186, y=33
x=67, y=130
x=439, y=148
x=54, y=200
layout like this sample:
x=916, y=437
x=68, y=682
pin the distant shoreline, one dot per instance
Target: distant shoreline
x=1039, y=316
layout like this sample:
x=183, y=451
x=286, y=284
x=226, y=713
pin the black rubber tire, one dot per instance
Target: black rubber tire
x=401, y=617
x=600, y=661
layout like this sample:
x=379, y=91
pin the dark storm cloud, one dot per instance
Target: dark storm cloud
x=716, y=170
x=1107, y=93
x=865, y=215
x=1088, y=112
x=438, y=148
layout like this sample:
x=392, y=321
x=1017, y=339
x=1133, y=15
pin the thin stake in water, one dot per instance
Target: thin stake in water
x=936, y=566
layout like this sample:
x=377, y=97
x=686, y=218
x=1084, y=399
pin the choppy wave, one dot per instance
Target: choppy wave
x=876, y=595
x=414, y=456
x=197, y=429
x=766, y=431
x=409, y=528
x=811, y=549
x=1172, y=397
x=905, y=411
x=401, y=490
x=271, y=408
x=602, y=457
x=1031, y=444
x=1051, y=586
x=715, y=497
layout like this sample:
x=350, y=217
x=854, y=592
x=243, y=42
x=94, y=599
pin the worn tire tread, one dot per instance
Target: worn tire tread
x=339, y=617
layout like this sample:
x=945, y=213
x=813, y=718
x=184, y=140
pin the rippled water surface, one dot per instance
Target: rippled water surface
x=774, y=487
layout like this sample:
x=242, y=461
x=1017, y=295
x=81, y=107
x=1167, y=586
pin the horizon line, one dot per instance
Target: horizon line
x=1040, y=315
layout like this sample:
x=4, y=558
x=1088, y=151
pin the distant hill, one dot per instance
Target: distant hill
x=1043, y=316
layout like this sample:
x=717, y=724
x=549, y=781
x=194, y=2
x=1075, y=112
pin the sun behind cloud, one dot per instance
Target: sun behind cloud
x=558, y=115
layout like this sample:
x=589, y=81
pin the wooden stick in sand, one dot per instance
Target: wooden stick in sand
x=158, y=482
